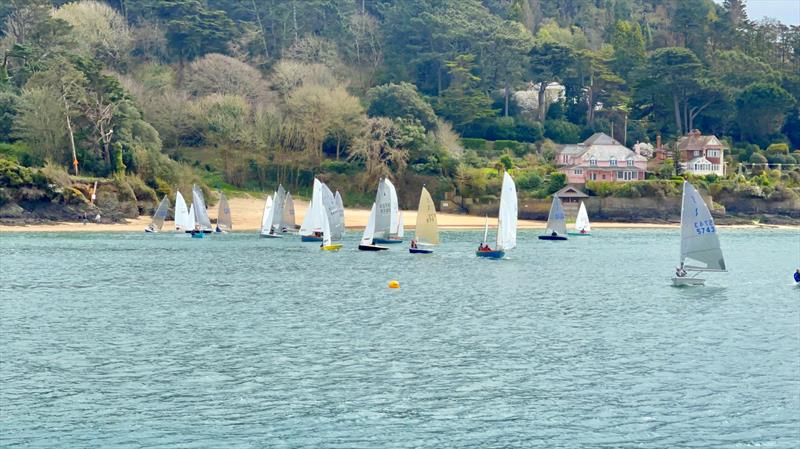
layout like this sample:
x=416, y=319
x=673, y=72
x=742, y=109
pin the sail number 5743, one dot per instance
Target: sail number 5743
x=704, y=227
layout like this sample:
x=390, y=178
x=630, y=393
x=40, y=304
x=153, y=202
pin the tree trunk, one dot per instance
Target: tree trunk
x=505, y=95
x=261, y=28
x=71, y=137
x=439, y=81
x=542, y=103
x=677, y=108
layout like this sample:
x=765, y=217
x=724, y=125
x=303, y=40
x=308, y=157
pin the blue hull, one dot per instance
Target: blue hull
x=420, y=251
x=578, y=234
x=199, y=235
x=551, y=237
x=310, y=238
x=491, y=254
x=378, y=241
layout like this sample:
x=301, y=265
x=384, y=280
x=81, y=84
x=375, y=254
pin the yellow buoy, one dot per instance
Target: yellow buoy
x=394, y=284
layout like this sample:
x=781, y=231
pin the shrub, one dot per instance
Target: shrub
x=557, y=182
x=473, y=144
x=777, y=148
x=519, y=149
x=562, y=131
x=336, y=166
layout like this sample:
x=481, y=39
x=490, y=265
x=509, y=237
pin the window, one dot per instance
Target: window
x=713, y=153
x=578, y=171
x=593, y=162
x=630, y=162
x=604, y=176
x=696, y=153
x=593, y=176
x=613, y=161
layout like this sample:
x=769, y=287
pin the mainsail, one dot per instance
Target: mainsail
x=326, y=229
x=556, y=221
x=699, y=240
x=287, y=217
x=160, y=215
x=182, y=220
x=507, y=216
x=268, y=216
x=337, y=217
x=200, y=212
x=582, y=222
x=369, y=231
x=191, y=221
x=224, y=220
x=278, y=201
x=427, y=229
x=383, y=210
x=312, y=222
x=395, y=208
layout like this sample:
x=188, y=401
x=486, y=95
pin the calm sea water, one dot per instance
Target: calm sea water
x=133, y=340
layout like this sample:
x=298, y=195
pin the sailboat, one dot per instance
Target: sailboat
x=393, y=231
x=556, y=222
x=224, y=221
x=198, y=213
x=506, y=223
x=311, y=229
x=287, y=216
x=182, y=221
x=159, y=216
x=327, y=243
x=427, y=229
x=338, y=214
x=582, y=225
x=699, y=240
x=268, y=220
x=367, y=238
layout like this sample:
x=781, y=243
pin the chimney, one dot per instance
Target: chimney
x=658, y=141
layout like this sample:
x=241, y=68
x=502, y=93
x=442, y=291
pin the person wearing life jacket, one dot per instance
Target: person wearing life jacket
x=797, y=276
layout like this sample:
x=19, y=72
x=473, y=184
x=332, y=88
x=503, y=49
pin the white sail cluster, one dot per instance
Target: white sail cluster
x=278, y=213
x=325, y=206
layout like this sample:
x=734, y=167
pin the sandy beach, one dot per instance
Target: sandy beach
x=247, y=217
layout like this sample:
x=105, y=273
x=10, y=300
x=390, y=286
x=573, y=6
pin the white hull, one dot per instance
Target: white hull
x=270, y=236
x=686, y=282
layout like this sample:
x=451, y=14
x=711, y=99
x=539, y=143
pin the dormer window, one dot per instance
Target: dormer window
x=593, y=161
x=613, y=161
x=630, y=162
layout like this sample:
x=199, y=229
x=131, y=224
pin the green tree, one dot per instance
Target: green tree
x=400, y=100
x=463, y=103
x=761, y=110
x=549, y=62
x=629, y=48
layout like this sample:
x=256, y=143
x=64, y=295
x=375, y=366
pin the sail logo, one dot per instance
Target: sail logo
x=704, y=227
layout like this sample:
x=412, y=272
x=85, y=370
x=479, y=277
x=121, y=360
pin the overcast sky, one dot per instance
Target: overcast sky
x=787, y=11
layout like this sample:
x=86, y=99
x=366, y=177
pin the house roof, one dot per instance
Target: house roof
x=694, y=141
x=571, y=192
x=602, y=147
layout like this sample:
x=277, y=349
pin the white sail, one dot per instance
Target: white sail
x=366, y=238
x=181, y=214
x=224, y=220
x=507, y=216
x=556, y=220
x=337, y=217
x=582, y=222
x=278, y=201
x=326, y=229
x=699, y=240
x=427, y=229
x=200, y=212
x=383, y=211
x=395, y=208
x=486, y=230
x=312, y=222
x=160, y=215
x=400, y=229
x=190, y=221
x=287, y=217
x=268, y=216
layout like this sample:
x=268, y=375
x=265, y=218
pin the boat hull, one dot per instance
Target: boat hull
x=420, y=251
x=687, y=282
x=332, y=247
x=204, y=231
x=310, y=238
x=371, y=248
x=552, y=237
x=198, y=235
x=491, y=254
x=149, y=231
x=270, y=236
x=579, y=234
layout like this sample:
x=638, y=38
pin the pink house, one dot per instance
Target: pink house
x=600, y=158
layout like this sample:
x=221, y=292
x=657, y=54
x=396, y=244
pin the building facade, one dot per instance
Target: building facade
x=701, y=155
x=600, y=158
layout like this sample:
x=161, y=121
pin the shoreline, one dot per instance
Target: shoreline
x=247, y=217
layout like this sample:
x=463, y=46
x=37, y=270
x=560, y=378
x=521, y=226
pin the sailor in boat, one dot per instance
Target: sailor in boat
x=414, y=243
x=680, y=272
x=150, y=228
x=554, y=234
x=797, y=276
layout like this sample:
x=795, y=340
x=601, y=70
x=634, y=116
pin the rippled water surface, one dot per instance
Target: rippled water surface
x=133, y=340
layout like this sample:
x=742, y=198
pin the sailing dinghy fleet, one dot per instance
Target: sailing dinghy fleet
x=700, y=250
